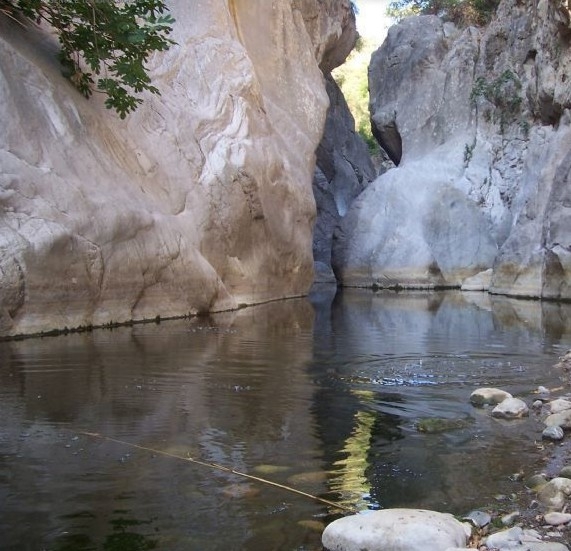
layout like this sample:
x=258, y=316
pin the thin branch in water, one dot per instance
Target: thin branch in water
x=222, y=468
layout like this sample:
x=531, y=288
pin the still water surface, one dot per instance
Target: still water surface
x=320, y=394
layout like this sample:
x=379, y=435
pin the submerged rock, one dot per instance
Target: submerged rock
x=396, y=530
x=439, y=424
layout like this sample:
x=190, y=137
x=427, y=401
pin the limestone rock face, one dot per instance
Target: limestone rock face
x=477, y=122
x=199, y=201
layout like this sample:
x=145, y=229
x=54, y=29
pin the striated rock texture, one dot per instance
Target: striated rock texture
x=477, y=121
x=200, y=201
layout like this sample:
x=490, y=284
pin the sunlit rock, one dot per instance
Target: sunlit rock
x=478, y=518
x=556, y=519
x=511, y=408
x=396, y=530
x=554, y=494
x=478, y=122
x=488, y=396
x=559, y=404
x=510, y=518
x=200, y=201
x=562, y=419
x=519, y=538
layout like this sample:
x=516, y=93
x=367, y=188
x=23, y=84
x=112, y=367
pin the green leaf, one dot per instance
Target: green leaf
x=111, y=37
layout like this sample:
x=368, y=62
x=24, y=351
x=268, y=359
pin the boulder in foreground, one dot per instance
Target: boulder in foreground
x=396, y=530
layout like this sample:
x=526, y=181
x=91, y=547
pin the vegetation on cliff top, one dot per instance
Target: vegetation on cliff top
x=104, y=44
x=461, y=12
x=352, y=78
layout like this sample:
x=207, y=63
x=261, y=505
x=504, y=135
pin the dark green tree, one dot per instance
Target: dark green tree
x=104, y=44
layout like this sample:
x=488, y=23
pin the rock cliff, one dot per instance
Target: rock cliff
x=344, y=169
x=477, y=121
x=200, y=201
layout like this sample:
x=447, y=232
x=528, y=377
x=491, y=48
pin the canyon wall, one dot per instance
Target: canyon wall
x=200, y=201
x=344, y=169
x=477, y=121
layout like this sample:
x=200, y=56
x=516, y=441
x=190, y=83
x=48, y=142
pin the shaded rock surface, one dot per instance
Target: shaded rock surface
x=344, y=169
x=477, y=122
x=554, y=432
x=200, y=201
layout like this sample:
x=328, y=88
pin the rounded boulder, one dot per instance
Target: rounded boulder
x=511, y=408
x=488, y=396
x=396, y=530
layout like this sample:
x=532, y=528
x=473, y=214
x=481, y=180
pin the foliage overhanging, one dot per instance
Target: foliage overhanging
x=104, y=44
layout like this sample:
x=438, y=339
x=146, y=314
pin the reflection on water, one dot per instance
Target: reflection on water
x=324, y=395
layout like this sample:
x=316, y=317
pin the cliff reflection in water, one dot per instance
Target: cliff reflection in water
x=322, y=394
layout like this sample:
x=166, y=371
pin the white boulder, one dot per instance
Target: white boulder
x=562, y=419
x=511, y=408
x=557, y=519
x=525, y=540
x=559, y=405
x=554, y=494
x=488, y=396
x=396, y=530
